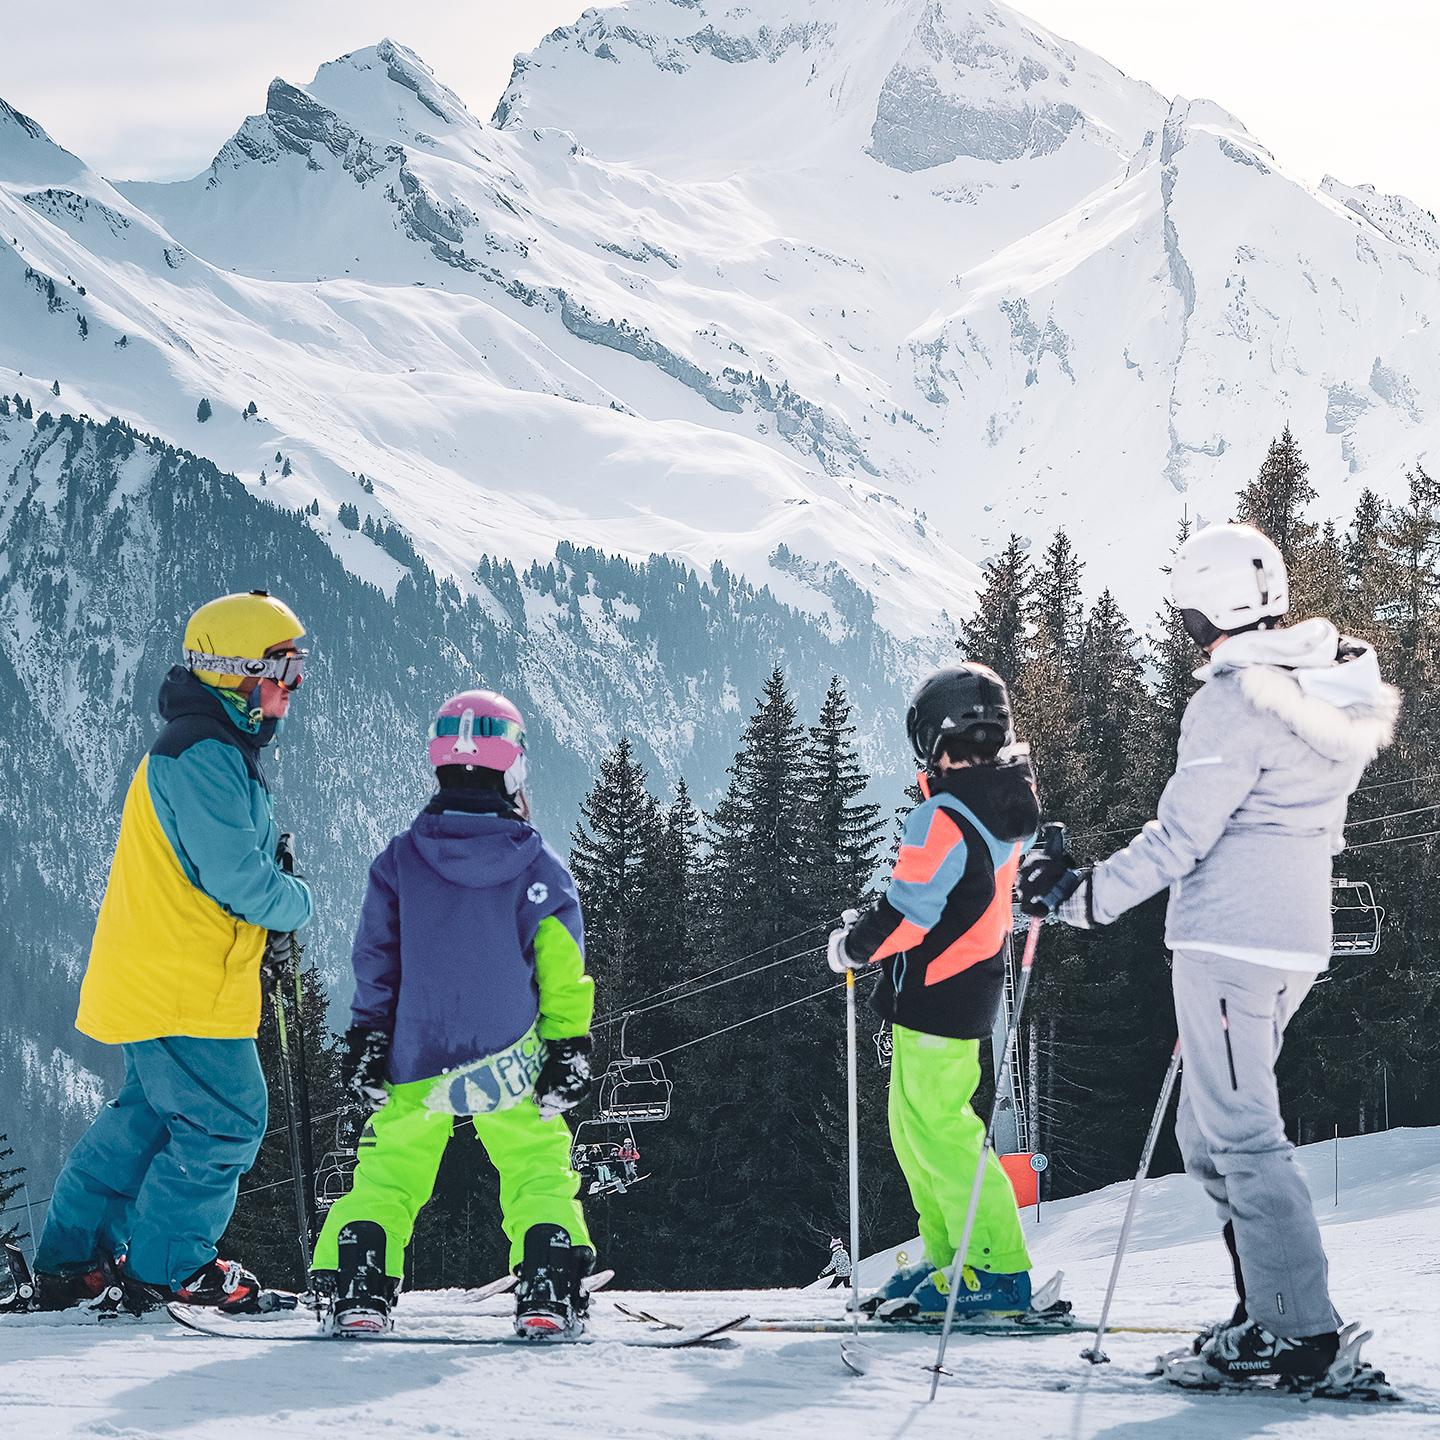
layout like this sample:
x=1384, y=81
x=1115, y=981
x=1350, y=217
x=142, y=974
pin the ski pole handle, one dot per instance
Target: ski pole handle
x=1054, y=840
x=849, y=919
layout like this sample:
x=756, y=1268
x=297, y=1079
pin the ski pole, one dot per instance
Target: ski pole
x=297, y=1168
x=852, y=1100
x=300, y=1071
x=302, y=1090
x=1032, y=940
x=1095, y=1355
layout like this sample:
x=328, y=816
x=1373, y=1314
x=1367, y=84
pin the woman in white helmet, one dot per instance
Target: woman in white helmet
x=1271, y=748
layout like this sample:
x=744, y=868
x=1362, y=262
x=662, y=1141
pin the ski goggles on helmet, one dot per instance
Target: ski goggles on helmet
x=491, y=727
x=285, y=670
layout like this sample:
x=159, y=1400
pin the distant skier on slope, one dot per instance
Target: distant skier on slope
x=1271, y=747
x=940, y=934
x=471, y=998
x=174, y=980
x=839, y=1267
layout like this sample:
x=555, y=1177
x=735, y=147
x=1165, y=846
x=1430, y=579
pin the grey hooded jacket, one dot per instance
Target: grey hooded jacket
x=1271, y=748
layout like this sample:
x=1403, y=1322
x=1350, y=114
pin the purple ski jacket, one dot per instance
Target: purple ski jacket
x=470, y=933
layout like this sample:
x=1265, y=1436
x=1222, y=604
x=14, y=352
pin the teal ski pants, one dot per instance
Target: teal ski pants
x=155, y=1176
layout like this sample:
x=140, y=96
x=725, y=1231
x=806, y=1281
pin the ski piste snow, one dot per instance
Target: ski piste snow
x=239, y=1327
x=144, y=1378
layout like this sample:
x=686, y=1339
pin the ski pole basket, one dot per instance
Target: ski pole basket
x=633, y=1090
x=1355, y=918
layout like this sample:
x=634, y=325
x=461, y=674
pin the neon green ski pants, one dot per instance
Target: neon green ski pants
x=399, y=1156
x=937, y=1139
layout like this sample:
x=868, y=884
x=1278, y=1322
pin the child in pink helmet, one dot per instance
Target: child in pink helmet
x=471, y=999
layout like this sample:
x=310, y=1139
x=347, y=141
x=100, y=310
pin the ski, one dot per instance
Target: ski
x=1349, y=1380
x=206, y=1322
x=834, y=1325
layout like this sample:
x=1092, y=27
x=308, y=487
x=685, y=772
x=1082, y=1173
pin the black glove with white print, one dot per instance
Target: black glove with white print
x=564, y=1079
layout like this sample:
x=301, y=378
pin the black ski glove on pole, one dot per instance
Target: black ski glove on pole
x=564, y=1079
x=363, y=1056
x=1046, y=881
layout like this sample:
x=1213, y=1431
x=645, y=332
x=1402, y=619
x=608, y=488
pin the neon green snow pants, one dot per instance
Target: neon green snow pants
x=937, y=1139
x=399, y=1156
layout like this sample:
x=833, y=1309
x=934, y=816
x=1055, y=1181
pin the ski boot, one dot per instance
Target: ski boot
x=364, y=1293
x=94, y=1289
x=1248, y=1351
x=981, y=1293
x=550, y=1297
x=900, y=1286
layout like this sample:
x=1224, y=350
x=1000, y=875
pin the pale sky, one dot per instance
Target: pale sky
x=151, y=88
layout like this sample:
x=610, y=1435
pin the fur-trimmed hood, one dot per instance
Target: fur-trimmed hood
x=1323, y=686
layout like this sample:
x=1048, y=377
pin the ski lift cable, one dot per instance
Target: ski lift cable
x=714, y=985
x=1349, y=824
x=705, y=974
x=714, y=1034
x=1393, y=840
x=1394, y=815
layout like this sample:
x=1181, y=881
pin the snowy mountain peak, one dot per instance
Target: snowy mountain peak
x=358, y=110
x=1394, y=216
x=385, y=83
x=28, y=154
x=915, y=84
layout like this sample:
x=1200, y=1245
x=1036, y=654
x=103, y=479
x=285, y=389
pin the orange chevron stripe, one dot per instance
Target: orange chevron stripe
x=903, y=937
x=917, y=864
x=985, y=937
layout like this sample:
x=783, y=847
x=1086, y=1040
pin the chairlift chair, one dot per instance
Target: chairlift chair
x=634, y=1090
x=1355, y=918
x=589, y=1157
x=336, y=1170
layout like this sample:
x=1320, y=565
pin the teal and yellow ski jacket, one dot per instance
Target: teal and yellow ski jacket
x=194, y=885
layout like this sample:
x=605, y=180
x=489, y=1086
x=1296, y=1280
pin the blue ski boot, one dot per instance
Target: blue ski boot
x=981, y=1293
x=898, y=1287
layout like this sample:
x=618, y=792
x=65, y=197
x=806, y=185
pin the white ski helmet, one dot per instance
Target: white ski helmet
x=1232, y=575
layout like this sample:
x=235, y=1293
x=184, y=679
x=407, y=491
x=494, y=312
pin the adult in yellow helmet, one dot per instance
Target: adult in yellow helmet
x=195, y=888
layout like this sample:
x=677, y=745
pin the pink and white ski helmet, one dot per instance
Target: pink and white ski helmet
x=480, y=727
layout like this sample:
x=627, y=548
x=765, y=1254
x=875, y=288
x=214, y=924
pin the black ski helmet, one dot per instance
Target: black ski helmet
x=969, y=702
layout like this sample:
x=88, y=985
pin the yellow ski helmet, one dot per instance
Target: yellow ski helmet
x=226, y=640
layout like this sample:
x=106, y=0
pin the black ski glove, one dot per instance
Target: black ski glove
x=1046, y=881
x=363, y=1056
x=564, y=1079
x=281, y=957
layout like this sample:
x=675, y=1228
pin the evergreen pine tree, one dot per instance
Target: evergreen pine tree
x=613, y=853
x=1275, y=501
x=1056, y=602
x=782, y=1071
x=845, y=831
x=10, y=1183
x=1176, y=658
x=996, y=633
x=202, y=410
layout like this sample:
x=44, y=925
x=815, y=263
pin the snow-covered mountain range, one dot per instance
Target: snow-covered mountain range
x=877, y=279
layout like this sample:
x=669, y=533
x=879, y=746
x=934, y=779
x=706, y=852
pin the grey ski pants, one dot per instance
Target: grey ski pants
x=1232, y=1017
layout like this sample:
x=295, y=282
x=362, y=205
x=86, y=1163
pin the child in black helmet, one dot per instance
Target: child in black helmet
x=940, y=933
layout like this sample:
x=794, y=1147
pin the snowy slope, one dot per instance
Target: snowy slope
x=856, y=277
x=158, y=1380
